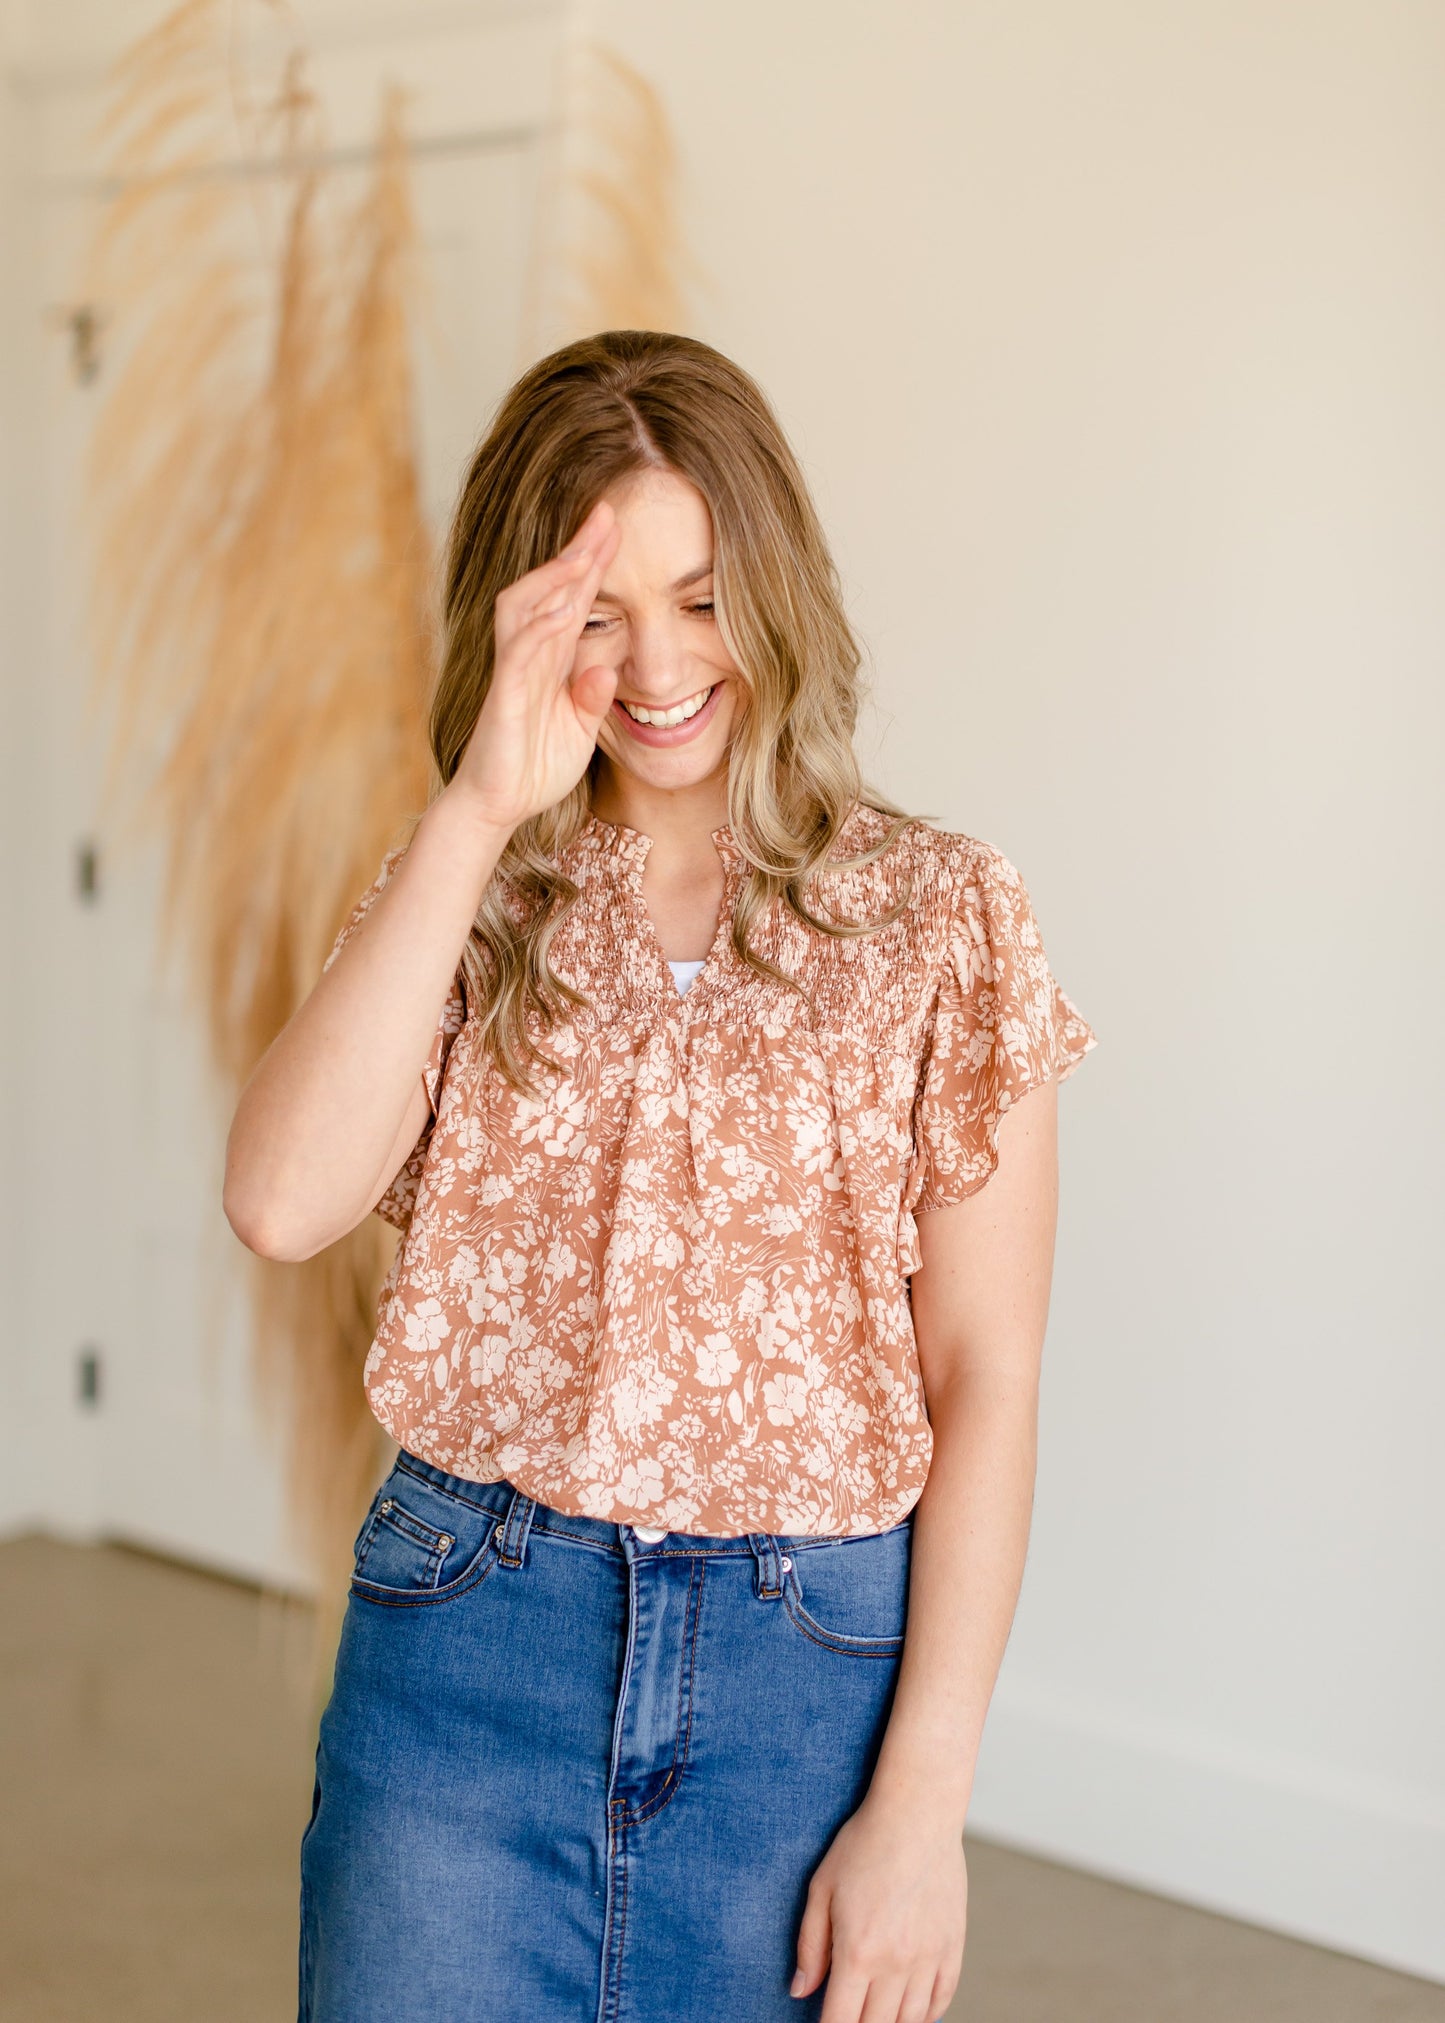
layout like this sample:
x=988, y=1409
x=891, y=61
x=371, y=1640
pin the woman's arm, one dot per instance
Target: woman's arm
x=887, y=1904
x=336, y=1102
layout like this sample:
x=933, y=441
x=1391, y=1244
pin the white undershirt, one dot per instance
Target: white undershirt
x=682, y=975
x=684, y=972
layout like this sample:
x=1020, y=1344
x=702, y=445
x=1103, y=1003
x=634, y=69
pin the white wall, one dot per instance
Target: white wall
x=20, y=458
x=1113, y=338
x=9, y=745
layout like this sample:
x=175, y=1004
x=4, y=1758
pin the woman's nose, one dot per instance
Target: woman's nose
x=653, y=663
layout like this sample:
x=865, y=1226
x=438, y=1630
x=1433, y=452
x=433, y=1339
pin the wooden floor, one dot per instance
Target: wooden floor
x=156, y=1737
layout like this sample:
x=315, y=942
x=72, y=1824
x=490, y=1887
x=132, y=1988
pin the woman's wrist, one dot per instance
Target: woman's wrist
x=924, y=1773
x=467, y=826
x=928, y=1801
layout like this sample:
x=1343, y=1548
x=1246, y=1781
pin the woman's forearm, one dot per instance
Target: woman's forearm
x=320, y=1117
x=970, y=1540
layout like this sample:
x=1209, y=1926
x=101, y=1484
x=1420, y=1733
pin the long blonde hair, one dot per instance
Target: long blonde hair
x=573, y=425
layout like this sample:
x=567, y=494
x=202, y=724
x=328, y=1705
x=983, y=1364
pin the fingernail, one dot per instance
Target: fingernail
x=798, y=1983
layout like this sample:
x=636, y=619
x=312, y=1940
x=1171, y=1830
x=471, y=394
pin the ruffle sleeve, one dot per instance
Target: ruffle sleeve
x=396, y=1204
x=1001, y=1026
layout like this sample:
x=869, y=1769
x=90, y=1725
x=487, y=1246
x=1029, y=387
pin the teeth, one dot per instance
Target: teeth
x=678, y=714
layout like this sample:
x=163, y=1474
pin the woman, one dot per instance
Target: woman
x=711, y=1360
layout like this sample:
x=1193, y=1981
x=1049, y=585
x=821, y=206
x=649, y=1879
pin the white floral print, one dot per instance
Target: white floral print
x=675, y=1289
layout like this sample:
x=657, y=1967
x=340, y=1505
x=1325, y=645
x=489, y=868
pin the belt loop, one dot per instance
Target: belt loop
x=515, y=1529
x=770, y=1573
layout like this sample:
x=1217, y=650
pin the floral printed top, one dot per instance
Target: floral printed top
x=674, y=1290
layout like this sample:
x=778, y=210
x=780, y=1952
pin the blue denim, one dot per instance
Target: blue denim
x=568, y=1776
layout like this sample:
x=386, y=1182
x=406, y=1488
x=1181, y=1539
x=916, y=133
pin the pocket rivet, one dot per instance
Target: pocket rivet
x=446, y=1543
x=786, y=1564
x=386, y=1506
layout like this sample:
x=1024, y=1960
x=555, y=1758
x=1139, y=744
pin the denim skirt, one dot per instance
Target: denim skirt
x=569, y=1775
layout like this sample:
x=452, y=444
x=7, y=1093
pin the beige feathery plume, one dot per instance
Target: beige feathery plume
x=610, y=254
x=260, y=618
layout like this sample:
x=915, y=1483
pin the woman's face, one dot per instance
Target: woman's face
x=653, y=621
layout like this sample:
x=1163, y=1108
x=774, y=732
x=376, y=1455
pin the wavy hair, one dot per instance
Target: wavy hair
x=574, y=424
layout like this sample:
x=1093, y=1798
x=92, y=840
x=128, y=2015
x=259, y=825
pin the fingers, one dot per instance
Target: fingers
x=858, y=1997
x=563, y=608
x=863, y=1993
x=599, y=552
x=592, y=690
x=945, y=1987
x=814, y=1939
x=526, y=640
x=884, y=2003
x=599, y=523
x=590, y=549
x=539, y=591
x=847, y=1992
x=577, y=591
x=880, y=1998
x=920, y=2004
x=601, y=517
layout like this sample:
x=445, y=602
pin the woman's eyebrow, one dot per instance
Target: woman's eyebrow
x=693, y=576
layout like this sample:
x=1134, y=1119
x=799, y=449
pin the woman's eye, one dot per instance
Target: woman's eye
x=600, y=618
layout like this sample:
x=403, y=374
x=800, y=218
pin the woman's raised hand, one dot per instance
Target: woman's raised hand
x=538, y=727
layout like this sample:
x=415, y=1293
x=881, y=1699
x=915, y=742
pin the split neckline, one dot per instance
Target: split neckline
x=634, y=844
x=629, y=847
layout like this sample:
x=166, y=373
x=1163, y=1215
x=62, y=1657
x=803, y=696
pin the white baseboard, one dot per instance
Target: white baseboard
x=1343, y=1863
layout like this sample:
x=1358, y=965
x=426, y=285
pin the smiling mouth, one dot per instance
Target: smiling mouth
x=679, y=713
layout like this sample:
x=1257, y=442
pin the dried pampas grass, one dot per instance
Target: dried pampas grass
x=261, y=590
x=617, y=259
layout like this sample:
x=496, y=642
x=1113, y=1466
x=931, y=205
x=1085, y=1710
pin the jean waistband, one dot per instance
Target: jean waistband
x=523, y=1515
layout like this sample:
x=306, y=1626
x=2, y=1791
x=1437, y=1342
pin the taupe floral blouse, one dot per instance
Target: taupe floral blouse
x=675, y=1290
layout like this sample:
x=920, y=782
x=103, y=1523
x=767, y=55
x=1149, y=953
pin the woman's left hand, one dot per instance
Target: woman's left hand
x=885, y=1917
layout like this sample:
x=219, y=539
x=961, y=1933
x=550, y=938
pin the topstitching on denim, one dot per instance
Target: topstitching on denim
x=602, y=1535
